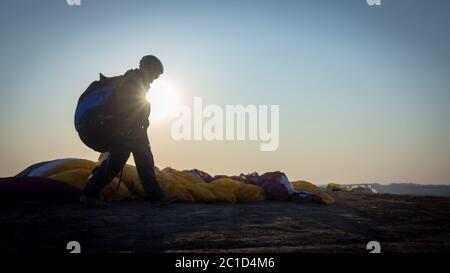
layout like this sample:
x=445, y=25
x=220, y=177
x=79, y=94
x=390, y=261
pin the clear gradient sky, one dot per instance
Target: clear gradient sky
x=364, y=92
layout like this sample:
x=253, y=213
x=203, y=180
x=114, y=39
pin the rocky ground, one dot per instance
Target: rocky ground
x=399, y=223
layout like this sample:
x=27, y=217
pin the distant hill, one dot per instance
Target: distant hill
x=413, y=189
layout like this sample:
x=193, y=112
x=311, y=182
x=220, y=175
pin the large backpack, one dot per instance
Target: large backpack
x=93, y=116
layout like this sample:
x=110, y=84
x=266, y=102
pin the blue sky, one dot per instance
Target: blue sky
x=363, y=91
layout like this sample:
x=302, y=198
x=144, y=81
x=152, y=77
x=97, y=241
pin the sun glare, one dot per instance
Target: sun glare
x=163, y=98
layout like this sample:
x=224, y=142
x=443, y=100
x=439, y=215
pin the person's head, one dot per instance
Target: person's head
x=151, y=68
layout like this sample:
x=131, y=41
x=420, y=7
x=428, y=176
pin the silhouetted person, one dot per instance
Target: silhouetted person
x=112, y=116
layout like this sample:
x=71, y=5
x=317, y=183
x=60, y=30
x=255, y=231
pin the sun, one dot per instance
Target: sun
x=164, y=99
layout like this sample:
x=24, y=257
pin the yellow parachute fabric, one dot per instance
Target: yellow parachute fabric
x=175, y=183
x=311, y=188
x=222, y=194
x=181, y=184
x=75, y=177
x=237, y=190
x=225, y=190
x=78, y=178
x=190, y=188
x=131, y=179
x=184, y=186
x=70, y=165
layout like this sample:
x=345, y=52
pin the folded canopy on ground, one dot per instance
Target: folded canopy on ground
x=355, y=188
x=189, y=186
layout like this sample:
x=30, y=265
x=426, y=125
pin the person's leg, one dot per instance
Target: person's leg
x=143, y=159
x=107, y=170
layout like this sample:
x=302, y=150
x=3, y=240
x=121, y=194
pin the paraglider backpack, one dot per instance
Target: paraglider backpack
x=93, y=115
